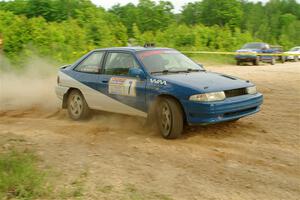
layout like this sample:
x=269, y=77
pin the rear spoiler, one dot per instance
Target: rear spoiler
x=64, y=66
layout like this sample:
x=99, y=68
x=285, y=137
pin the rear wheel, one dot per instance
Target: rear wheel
x=77, y=106
x=296, y=58
x=238, y=62
x=169, y=118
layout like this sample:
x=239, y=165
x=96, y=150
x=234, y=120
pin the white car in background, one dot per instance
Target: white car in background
x=296, y=51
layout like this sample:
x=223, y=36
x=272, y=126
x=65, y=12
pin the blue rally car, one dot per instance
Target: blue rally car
x=158, y=83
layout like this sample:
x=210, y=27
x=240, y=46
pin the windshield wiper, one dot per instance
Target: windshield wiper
x=177, y=71
x=161, y=72
x=192, y=70
x=195, y=70
x=165, y=72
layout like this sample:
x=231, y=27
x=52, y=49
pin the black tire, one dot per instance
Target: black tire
x=273, y=61
x=169, y=118
x=256, y=61
x=296, y=58
x=238, y=62
x=77, y=106
x=283, y=59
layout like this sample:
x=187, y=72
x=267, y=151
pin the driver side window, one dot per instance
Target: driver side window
x=119, y=63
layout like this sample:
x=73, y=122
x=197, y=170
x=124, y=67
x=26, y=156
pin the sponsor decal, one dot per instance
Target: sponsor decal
x=158, y=81
x=122, y=86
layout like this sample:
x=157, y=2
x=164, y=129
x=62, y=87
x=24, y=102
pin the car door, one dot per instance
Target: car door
x=86, y=74
x=118, y=84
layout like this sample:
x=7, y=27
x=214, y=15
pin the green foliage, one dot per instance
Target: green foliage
x=271, y=22
x=213, y=12
x=147, y=15
x=66, y=29
x=20, y=177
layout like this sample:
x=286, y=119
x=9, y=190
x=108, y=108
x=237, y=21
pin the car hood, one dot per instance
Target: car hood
x=205, y=81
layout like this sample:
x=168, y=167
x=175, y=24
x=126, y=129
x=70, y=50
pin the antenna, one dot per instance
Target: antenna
x=147, y=45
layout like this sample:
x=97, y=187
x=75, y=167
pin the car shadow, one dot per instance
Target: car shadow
x=138, y=127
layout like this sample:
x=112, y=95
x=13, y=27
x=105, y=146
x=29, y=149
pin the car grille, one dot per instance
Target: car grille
x=235, y=92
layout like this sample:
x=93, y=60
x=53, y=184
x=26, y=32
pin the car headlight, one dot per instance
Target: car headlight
x=251, y=90
x=212, y=96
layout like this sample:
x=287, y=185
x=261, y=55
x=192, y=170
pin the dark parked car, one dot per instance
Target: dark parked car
x=278, y=50
x=248, y=53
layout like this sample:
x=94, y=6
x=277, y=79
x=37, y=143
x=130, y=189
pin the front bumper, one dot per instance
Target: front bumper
x=246, y=58
x=290, y=57
x=229, y=109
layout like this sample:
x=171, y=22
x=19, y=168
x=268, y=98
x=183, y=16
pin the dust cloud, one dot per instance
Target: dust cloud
x=31, y=87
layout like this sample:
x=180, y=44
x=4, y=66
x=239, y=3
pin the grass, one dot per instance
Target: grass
x=20, y=178
x=133, y=193
x=75, y=189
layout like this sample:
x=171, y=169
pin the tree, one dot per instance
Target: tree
x=191, y=13
x=147, y=15
x=221, y=12
x=127, y=14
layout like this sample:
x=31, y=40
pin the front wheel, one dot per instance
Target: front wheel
x=296, y=59
x=273, y=61
x=256, y=61
x=169, y=118
x=77, y=106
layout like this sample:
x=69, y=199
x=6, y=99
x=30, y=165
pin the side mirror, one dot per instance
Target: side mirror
x=137, y=72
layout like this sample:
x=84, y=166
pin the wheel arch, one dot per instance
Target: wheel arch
x=177, y=100
x=66, y=95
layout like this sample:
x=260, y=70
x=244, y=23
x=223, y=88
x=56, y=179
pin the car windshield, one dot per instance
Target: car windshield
x=164, y=61
x=295, y=49
x=253, y=46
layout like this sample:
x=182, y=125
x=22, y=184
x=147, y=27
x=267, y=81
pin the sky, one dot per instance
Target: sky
x=176, y=3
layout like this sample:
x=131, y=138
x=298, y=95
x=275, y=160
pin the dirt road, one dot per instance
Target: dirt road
x=115, y=157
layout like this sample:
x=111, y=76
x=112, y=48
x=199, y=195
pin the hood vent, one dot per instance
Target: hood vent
x=230, y=77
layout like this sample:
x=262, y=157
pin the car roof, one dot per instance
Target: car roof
x=133, y=49
x=275, y=46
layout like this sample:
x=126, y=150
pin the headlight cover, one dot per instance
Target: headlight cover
x=251, y=90
x=212, y=96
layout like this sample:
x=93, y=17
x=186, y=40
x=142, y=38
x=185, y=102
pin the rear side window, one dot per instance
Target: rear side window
x=119, y=63
x=91, y=64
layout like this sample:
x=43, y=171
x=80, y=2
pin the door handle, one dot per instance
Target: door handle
x=105, y=81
